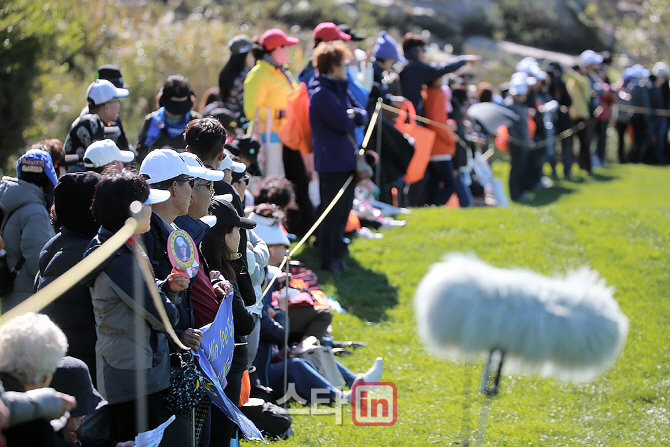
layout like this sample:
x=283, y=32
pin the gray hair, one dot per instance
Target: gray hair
x=31, y=347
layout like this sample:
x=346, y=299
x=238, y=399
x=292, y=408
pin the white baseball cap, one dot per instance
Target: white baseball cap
x=590, y=57
x=269, y=230
x=531, y=68
x=518, y=85
x=228, y=163
x=205, y=174
x=165, y=164
x=104, y=152
x=101, y=91
x=157, y=196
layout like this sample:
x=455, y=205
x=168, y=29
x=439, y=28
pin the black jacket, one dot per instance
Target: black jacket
x=73, y=310
x=272, y=333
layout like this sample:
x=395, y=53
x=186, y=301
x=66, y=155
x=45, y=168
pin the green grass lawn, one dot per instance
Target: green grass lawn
x=617, y=221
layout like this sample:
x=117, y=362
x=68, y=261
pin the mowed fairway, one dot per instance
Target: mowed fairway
x=617, y=222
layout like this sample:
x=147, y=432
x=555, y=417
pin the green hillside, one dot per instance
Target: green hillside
x=617, y=222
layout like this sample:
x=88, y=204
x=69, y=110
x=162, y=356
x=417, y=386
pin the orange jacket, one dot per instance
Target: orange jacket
x=435, y=108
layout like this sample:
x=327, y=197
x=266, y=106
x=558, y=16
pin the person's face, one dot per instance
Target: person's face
x=280, y=54
x=233, y=240
x=110, y=110
x=250, y=61
x=227, y=176
x=388, y=64
x=144, y=219
x=200, y=198
x=241, y=186
x=339, y=71
x=181, y=194
x=183, y=252
x=277, y=252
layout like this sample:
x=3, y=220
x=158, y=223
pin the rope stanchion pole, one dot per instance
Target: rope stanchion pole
x=287, y=258
x=140, y=332
x=378, y=172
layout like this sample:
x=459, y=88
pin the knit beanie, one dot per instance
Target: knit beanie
x=386, y=48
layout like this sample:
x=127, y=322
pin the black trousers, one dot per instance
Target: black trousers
x=294, y=169
x=123, y=417
x=331, y=230
x=223, y=429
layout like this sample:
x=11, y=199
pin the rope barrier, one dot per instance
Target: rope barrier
x=309, y=233
x=61, y=284
x=642, y=110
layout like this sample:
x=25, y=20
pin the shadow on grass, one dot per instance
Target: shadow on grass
x=604, y=178
x=549, y=195
x=362, y=292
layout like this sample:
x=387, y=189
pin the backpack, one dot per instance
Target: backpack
x=273, y=421
x=297, y=131
x=8, y=276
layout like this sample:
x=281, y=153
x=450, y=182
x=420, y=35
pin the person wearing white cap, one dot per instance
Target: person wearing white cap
x=103, y=107
x=639, y=120
x=116, y=307
x=102, y=153
x=518, y=131
x=165, y=170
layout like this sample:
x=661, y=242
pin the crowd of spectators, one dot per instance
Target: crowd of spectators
x=233, y=184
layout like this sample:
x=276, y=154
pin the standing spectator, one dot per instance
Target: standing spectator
x=657, y=123
x=333, y=114
x=73, y=310
x=112, y=73
x=579, y=89
x=103, y=107
x=267, y=87
x=26, y=226
x=115, y=305
x=418, y=73
x=165, y=127
x=639, y=98
x=441, y=183
x=603, y=111
x=661, y=69
x=623, y=98
x=233, y=74
x=559, y=91
x=518, y=132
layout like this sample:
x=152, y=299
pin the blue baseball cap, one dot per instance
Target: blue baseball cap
x=37, y=161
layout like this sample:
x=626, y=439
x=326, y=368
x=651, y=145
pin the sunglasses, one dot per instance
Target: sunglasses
x=208, y=185
x=189, y=180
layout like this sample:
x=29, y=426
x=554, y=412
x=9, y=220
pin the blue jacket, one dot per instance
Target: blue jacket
x=416, y=74
x=272, y=333
x=332, y=128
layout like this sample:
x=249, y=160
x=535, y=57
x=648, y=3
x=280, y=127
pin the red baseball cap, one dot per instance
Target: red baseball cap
x=274, y=38
x=328, y=31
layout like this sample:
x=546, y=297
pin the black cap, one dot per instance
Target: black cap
x=73, y=196
x=72, y=377
x=346, y=29
x=245, y=146
x=113, y=74
x=227, y=215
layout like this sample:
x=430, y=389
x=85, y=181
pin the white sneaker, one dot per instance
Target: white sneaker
x=344, y=396
x=374, y=374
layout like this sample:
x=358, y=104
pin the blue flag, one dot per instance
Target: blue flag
x=214, y=357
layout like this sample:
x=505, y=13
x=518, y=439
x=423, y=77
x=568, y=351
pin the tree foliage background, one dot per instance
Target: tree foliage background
x=49, y=50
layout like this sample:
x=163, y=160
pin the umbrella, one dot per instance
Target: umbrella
x=491, y=116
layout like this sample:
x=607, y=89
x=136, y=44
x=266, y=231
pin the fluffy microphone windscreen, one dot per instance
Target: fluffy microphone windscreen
x=567, y=327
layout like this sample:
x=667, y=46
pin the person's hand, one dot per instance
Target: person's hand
x=67, y=402
x=223, y=288
x=4, y=416
x=2, y=243
x=472, y=58
x=272, y=312
x=126, y=444
x=176, y=282
x=282, y=301
x=191, y=338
